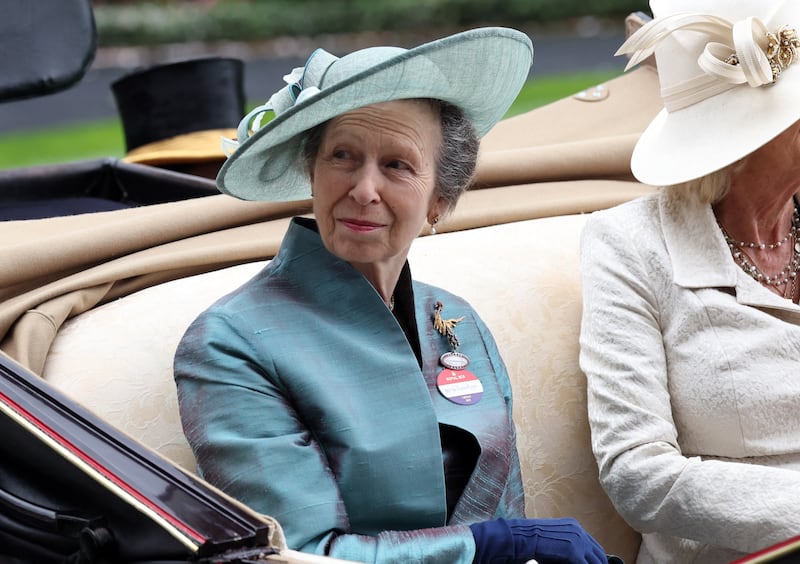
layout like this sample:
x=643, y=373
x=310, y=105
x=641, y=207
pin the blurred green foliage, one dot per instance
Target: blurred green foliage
x=153, y=22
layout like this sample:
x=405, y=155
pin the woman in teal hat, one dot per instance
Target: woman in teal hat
x=370, y=414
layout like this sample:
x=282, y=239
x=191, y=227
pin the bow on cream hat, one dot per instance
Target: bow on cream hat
x=480, y=71
x=729, y=80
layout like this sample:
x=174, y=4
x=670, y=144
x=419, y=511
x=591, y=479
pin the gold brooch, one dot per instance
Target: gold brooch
x=446, y=327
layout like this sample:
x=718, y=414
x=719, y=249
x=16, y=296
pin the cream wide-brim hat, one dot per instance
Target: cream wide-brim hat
x=480, y=71
x=707, y=135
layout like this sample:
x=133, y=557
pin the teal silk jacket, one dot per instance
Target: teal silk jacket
x=301, y=397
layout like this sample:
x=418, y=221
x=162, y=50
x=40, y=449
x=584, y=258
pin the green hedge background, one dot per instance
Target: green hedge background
x=156, y=22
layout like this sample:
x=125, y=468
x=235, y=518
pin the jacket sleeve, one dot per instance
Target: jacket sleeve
x=249, y=442
x=726, y=503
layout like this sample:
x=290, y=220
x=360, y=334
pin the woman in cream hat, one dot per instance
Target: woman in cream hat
x=691, y=328
x=369, y=413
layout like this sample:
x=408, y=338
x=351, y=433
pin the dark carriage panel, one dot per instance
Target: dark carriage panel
x=92, y=186
x=70, y=484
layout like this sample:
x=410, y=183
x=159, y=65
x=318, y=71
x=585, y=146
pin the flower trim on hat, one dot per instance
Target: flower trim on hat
x=295, y=92
x=782, y=50
x=736, y=53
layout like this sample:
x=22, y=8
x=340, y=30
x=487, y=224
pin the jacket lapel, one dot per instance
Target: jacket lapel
x=486, y=420
x=378, y=406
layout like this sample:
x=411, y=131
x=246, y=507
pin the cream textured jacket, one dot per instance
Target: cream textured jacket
x=693, y=375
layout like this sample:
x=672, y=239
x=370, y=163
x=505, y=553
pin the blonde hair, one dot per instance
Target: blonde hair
x=708, y=189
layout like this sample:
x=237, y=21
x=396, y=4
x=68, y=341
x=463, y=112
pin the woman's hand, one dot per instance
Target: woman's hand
x=548, y=541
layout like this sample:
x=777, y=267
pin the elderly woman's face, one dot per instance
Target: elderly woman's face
x=373, y=181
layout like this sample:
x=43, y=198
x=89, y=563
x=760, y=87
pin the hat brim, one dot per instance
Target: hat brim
x=716, y=132
x=480, y=71
x=195, y=147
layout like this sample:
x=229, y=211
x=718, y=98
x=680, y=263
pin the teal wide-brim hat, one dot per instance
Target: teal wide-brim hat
x=480, y=71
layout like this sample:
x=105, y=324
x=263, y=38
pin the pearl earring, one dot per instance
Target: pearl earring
x=434, y=221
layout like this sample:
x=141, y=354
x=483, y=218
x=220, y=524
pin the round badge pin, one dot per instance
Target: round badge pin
x=460, y=386
x=454, y=360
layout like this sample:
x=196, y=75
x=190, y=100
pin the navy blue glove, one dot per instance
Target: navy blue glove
x=549, y=541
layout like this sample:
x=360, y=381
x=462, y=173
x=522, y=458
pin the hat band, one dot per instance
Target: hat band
x=744, y=52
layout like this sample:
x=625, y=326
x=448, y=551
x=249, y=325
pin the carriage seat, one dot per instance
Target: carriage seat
x=521, y=277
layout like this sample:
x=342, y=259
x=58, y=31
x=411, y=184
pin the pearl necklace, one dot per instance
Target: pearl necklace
x=789, y=272
x=777, y=244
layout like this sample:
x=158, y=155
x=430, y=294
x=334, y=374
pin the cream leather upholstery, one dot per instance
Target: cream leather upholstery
x=521, y=277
